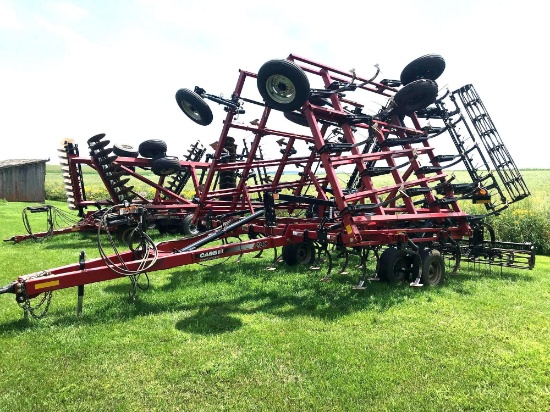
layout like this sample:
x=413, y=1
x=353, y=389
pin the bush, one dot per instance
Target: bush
x=525, y=221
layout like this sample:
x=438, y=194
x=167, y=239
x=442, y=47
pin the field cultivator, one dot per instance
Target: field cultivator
x=319, y=174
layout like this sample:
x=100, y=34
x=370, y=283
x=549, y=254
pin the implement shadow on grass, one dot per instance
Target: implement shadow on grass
x=286, y=293
x=209, y=321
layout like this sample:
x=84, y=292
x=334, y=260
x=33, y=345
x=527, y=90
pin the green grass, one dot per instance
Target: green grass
x=238, y=337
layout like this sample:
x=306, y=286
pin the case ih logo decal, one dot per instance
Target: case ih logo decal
x=229, y=250
x=209, y=255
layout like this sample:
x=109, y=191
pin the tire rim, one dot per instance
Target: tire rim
x=400, y=269
x=434, y=273
x=190, y=110
x=280, y=88
x=304, y=254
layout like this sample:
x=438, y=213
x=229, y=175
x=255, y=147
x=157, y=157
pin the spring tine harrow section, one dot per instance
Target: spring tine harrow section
x=501, y=159
x=479, y=148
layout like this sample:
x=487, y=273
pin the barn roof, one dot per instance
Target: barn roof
x=20, y=162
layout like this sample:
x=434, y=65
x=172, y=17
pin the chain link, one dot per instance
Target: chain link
x=46, y=298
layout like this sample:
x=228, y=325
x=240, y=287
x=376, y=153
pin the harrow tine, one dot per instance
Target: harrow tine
x=327, y=277
x=364, y=255
x=259, y=255
x=345, y=253
x=375, y=278
x=276, y=258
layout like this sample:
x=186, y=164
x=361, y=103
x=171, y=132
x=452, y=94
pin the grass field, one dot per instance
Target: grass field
x=239, y=337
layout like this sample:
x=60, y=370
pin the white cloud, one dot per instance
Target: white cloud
x=8, y=16
x=70, y=11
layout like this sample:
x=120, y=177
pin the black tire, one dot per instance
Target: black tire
x=152, y=147
x=194, y=107
x=430, y=66
x=415, y=96
x=283, y=85
x=165, y=226
x=125, y=150
x=393, y=266
x=187, y=227
x=297, y=118
x=319, y=101
x=302, y=253
x=165, y=166
x=228, y=178
x=433, y=267
x=158, y=155
x=126, y=234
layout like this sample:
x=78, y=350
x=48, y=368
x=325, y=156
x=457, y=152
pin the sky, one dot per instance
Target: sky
x=73, y=69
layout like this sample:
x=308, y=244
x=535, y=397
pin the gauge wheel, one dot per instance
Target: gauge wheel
x=393, y=265
x=433, y=267
x=151, y=148
x=430, y=66
x=165, y=166
x=187, y=227
x=125, y=150
x=194, y=107
x=415, y=96
x=297, y=118
x=283, y=85
x=302, y=253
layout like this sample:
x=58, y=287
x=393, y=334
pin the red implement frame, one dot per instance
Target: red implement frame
x=303, y=197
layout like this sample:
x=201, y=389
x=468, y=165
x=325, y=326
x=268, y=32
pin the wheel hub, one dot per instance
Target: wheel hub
x=281, y=89
x=190, y=110
x=434, y=272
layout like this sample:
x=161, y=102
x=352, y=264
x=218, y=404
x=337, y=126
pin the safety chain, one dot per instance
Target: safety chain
x=26, y=304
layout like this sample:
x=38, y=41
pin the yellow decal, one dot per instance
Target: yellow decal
x=349, y=229
x=46, y=284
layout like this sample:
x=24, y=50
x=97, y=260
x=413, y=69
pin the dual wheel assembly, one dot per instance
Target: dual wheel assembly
x=284, y=86
x=395, y=265
x=155, y=150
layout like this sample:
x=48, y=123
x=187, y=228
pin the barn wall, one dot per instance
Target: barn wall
x=23, y=183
